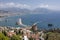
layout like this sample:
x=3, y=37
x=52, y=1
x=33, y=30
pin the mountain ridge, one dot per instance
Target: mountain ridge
x=27, y=11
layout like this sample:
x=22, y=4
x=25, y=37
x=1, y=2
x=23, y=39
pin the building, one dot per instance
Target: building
x=34, y=28
x=11, y=33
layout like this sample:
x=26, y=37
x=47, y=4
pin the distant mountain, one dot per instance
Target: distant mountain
x=27, y=11
x=3, y=11
x=17, y=10
x=42, y=11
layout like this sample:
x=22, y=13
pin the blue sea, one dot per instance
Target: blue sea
x=29, y=19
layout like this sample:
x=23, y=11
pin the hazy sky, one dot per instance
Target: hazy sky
x=31, y=4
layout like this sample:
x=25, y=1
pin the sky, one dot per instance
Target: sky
x=31, y=4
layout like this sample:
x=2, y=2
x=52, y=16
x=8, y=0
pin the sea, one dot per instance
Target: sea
x=29, y=19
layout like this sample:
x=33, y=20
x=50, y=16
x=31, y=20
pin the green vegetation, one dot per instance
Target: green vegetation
x=47, y=36
x=2, y=37
x=15, y=37
x=52, y=36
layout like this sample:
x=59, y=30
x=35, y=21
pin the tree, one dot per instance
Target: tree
x=15, y=37
x=4, y=32
x=2, y=37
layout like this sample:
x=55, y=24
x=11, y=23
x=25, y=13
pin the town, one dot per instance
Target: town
x=28, y=33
